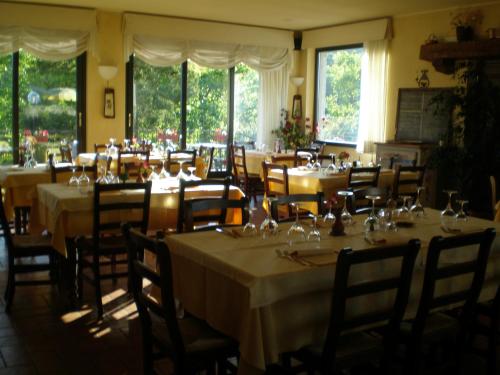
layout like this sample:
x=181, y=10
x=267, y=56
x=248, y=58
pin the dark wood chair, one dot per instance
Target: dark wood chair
x=132, y=168
x=408, y=185
x=184, y=185
x=207, y=154
x=429, y=328
x=190, y=343
x=102, y=163
x=275, y=184
x=105, y=242
x=199, y=216
x=188, y=157
x=18, y=249
x=364, y=181
x=487, y=324
x=288, y=200
x=301, y=154
x=63, y=174
x=65, y=151
x=250, y=183
x=345, y=346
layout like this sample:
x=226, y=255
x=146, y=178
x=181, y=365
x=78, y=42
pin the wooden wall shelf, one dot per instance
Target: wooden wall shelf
x=444, y=55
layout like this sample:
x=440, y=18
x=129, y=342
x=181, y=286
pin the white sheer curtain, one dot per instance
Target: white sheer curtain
x=272, y=98
x=373, y=103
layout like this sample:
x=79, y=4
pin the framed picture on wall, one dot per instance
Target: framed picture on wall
x=109, y=103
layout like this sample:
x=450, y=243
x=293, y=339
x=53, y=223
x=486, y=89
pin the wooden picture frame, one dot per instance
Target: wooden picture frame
x=109, y=103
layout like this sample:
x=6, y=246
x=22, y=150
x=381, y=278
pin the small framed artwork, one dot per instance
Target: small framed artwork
x=109, y=103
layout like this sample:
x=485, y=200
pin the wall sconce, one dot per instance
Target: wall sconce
x=422, y=79
x=107, y=72
x=297, y=98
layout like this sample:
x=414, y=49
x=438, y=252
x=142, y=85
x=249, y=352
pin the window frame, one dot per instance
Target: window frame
x=316, y=79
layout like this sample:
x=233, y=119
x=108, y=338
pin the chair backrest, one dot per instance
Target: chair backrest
x=207, y=154
x=117, y=203
x=301, y=155
x=362, y=178
x=493, y=186
x=275, y=184
x=162, y=279
x=435, y=272
x=413, y=179
x=287, y=200
x=184, y=184
x=188, y=158
x=201, y=211
x=5, y=225
x=63, y=174
x=238, y=160
x=343, y=291
x=103, y=163
x=65, y=151
x=132, y=166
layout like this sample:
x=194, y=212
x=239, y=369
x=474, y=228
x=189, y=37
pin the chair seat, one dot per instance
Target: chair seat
x=352, y=348
x=32, y=241
x=437, y=326
x=199, y=338
x=107, y=244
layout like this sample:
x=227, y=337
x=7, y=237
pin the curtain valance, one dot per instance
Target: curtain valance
x=31, y=27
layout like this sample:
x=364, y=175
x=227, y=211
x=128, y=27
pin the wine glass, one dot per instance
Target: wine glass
x=250, y=226
x=314, y=235
x=345, y=216
x=126, y=143
x=181, y=175
x=448, y=214
x=331, y=167
x=329, y=217
x=417, y=210
x=269, y=226
x=386, y=216
x=73, y=181
x=461, y=217
x=309, y=164
x=191, y=170
x=296, y=233
x=404, y=211
x=112, y=149
x=372, y=222
x=163, y=155
x=317, y=165
x=83, y=182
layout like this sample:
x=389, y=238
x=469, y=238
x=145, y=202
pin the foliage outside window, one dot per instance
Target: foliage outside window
x=338, y=94
x=246, y=98
x=6, y=109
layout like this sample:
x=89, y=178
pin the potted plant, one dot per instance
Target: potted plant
x=464, y=22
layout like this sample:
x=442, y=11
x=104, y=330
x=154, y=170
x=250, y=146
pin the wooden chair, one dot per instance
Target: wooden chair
x=190, y=343
x=487, y=324
x=414, y=180
x=275, y=185
x=198, y=211
x=133, y=167
x=65, y=151
x=18, y=249
x=207, y=154
x=345, y=346
x=287, y=200
x=102, y=164
x=63, y=174
x=301, y=155
x=193, y=184
x=429, y=328
x=364, y=181
x=188, y=158
x=250, y=183
x=105, y=242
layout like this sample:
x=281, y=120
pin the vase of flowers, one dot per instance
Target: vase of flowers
x=292, y=133
x=464, y=23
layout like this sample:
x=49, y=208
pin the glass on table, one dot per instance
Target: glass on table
x=191, y=170
x=181, y=175
x=269, y=226
x=417, y=210
x=329, y=218
x=73, y=181
x=126, y=144
x=83, y=182
x=332, y=168
x=461, y=217
x=448, y=214
x=250, y=226
x=386, y=216
x=317, y=165
x=372, y=222
x=404, y=211
x=296, y=233
x=314, y=235
x=345, y=216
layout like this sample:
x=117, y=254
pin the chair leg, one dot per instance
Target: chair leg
x=79, y=274
x=147, y=355
x=97, y=284
x=11, y=287
x=492, y=348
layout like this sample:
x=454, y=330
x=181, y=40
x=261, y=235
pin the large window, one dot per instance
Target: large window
x=192, y=105
x=41, y=99
x=338, y=87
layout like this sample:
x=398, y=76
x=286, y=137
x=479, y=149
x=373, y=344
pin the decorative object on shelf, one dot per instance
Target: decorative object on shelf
x=292, y=133
x=422, y=79
x=297, y=98
x=431, y=39
x=109, y=103
x=464, y=22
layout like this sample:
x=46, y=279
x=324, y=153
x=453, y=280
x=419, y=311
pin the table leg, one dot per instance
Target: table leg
x=69, y=281
x=17, y=219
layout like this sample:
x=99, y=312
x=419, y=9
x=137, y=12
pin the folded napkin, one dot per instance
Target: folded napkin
x=310, y=252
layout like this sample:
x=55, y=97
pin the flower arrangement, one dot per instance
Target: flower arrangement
x=220, y=135
x=293, y=134
x=467, y=18
x=144, y=171
x=344, y=155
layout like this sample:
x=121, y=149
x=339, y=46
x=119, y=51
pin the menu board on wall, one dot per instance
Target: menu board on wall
x=417, y=119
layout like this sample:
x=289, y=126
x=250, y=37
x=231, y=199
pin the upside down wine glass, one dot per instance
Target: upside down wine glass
x=269, y=226
x=345, y=216
x=296, y=233
x=250, y=226
x=331, y=167
x=448, y=214
x=417, y=210
x=372, y=222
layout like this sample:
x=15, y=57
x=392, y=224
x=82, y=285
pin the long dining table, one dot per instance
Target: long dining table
x=272, y=304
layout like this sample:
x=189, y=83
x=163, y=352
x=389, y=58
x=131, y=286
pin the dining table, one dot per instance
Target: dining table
x=246, y=287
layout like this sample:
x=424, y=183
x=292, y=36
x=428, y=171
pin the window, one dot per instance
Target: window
x=42, y=99
x=212, y=104
x=338, y=88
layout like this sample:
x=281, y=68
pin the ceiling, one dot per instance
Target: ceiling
x=286, y=14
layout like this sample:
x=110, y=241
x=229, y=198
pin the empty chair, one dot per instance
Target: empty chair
x=110, y=209
x=188, y=158
x=275, y=179
x=250, y=183
x=184, y=185
x=407, y=179
x=428, y=328
x=65, y=151
x=190, y=343
x=199, y=213
x=302, y=155
x=207, y=154
x=131, y=162
x=364, y=181
x=344, y=346
x=19, y=248
x=288, y=200
x=103, y=164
